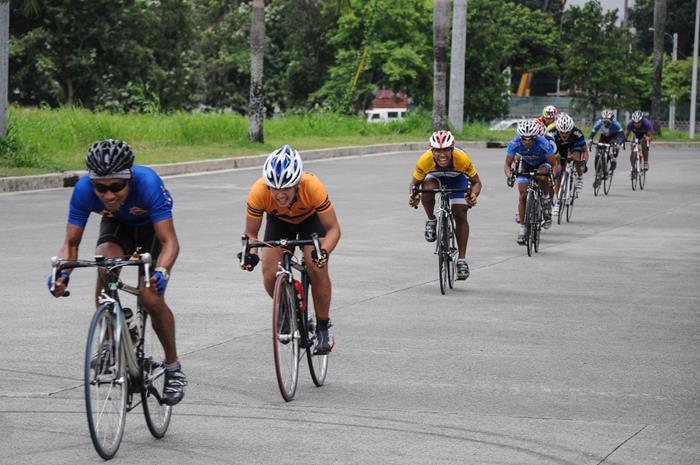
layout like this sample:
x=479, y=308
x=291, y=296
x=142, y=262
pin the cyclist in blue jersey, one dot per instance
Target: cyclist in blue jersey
x=641, y=128
x=536, y=153
x=610, y=133
x=136, y=211
x=572, y=147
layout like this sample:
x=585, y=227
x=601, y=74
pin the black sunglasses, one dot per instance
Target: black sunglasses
x=114, y=187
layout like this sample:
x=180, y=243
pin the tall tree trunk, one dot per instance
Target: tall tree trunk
x=457, y=64
x=441, y=26
x=659, y=28
x=4, y=64
x=256, y=114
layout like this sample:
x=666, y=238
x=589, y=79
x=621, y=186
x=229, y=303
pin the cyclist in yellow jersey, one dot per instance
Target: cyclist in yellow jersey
x=296, y=205
x=449, y=165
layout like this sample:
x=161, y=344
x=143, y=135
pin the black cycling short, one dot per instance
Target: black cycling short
x=129, y=237
x=277, y=229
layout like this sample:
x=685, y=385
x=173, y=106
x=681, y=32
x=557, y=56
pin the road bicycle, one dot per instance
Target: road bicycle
x=124, y=360
x=568, y=193
x=446, y=241
x=603, y=168
x=293, y=324
x=638, y=174
x=534, y=207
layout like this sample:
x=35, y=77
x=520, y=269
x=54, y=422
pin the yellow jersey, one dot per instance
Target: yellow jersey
x=461, y=163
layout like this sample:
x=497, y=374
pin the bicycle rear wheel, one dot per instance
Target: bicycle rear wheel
x=105, y=383
x=607, y=179
x=318, y=363
x=563, y=194
x=530, y=218
x=153, y=381
x=285, y=338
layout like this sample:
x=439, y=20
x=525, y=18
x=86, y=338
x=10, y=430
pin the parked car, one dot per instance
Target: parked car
x=384, y=115
x=505, y=124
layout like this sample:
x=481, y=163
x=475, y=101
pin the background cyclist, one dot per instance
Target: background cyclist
x=536, y=153
x=640, y=126
x=448, y=166
x=572, y=145
x=610, y=133
x=296, y=205
x=136, y=211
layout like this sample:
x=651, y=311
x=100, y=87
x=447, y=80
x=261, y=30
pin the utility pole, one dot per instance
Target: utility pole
x=672, y=105
x=694, y=85
x=4, y=64
x=441, y=25
x=659, y=26
x=457, y=64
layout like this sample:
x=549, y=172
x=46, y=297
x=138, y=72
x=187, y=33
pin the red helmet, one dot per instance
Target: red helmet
x=442, y=140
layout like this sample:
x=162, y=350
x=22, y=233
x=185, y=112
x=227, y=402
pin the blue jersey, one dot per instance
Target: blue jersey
x=148, y=200
x=608, y=132
x=540, y=151
x=643, y=129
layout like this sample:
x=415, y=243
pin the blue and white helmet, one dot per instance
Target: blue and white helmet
x=283, y=168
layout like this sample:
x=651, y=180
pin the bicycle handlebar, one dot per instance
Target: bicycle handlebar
x=247, y=245
x=144, y=260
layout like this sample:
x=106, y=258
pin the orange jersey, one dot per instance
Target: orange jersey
x=311, y=197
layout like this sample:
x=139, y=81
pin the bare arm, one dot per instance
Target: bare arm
x=170, y=248
x=330, y=223
x=475, y=183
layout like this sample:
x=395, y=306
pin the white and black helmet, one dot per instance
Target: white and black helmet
x=637, y=116
x=283, y=168
x=528, y=128
x=564, y=123
x=110, y=159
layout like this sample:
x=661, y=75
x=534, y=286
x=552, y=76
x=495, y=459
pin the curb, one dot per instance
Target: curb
x=69, y=178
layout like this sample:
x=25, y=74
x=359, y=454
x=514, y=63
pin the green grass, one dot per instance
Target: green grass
x=46, y=140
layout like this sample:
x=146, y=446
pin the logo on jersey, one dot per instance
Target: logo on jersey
x=166, y=194
x=136, y=211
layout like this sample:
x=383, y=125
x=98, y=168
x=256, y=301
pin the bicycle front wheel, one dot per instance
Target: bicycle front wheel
x=153, y=381
x=442, y=254
x=635, y=171
x=608, y=177
x=451, y=249
x=530, y=218
x=105, y=383
x=318, y=363
x=537, y=228
x=563, y=194
x=642, y=174
x=285, y=337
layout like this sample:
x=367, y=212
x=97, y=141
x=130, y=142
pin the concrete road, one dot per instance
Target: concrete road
x=587, y=353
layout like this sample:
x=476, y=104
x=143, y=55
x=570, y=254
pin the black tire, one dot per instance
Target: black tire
x=285, y=337
x=635, y=170
x=318, y=363
x=450, y=249
x=598, y=174
x=642, y=175
x=572, y=197
x=563, y=194
x=530, y=212
x=152, y=358
x=443, y=262
x=537, y=226
x=607, y=181
x=106, y=383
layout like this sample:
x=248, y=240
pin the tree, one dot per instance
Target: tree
x=4, y=59
x=395, y=37
x=256, y=114
x=441, y=27
x=596, y=68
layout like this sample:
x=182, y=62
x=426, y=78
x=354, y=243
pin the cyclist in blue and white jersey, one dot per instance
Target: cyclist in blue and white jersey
x=641, y=127
x=136, y=211
x=610, y=133
x=572, y=146
x=536, y=153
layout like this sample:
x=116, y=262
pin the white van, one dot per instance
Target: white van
x=384, y=115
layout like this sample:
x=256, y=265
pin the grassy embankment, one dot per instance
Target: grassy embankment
x=44, y=140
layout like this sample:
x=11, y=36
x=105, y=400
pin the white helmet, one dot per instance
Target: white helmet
x=637, y=116
x=564, y=123
x=442, y=140
x=528, y=128
x=283, y=168
x=607, y=114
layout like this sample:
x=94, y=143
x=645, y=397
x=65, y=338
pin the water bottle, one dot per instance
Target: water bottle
x=299, y=289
